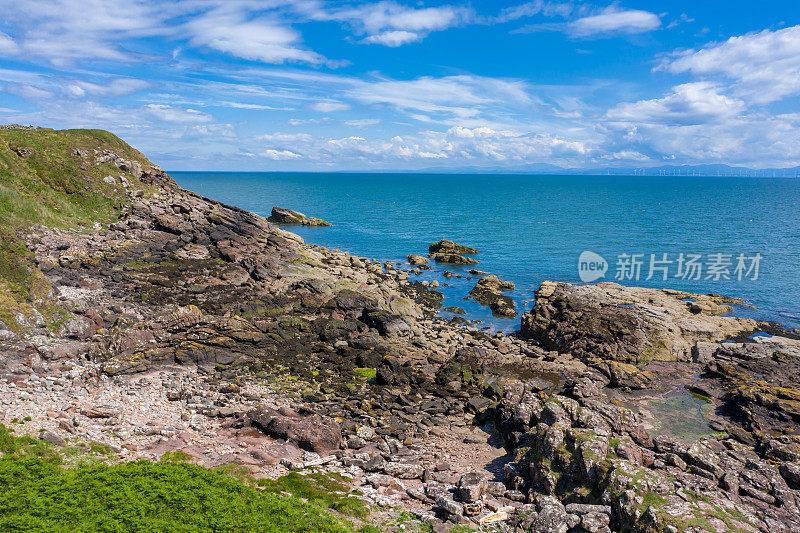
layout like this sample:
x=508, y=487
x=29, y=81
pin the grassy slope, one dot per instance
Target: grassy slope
x=49, y=187
x=47, y=490
x=39, y=493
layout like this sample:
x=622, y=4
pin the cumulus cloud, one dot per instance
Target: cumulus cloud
x=746, y=140
x=690, y=103
x=281, y=155
x=613, y=21
x=765, y=66
x=457, y=145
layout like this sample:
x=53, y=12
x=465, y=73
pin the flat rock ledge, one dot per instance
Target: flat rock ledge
x=628, y=324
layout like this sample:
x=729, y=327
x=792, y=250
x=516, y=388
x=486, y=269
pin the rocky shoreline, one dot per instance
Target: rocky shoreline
x=189, y=325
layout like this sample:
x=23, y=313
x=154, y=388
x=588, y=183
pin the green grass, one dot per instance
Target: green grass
x=141, y=496
x=25, y=446
x=366, y=373
x=55, y=189
x=43, y=489
x=326, y=490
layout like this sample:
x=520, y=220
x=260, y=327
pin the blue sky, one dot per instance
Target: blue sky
x=314, y=85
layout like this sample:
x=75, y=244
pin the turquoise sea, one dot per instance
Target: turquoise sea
x=530, y=228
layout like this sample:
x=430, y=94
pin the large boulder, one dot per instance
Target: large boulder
x=489, y=291
x=415, y=259
x=307, y=430
x=628, y=324
x=450, y=247
x=286, y=216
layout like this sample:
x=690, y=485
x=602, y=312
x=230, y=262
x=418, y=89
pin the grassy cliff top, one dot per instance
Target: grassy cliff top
x=59, y=179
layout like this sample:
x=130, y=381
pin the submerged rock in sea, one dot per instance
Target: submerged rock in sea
x=489, y=291
x=415, y=259
x=629, y=324
x=288, y=216
x=318, y=222
x=449, y=247
x=453, y=259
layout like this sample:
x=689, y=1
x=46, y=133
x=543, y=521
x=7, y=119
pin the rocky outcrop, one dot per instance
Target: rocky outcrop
x=758, y=383
x=449, y=247
x=287, y=216
x=611, y=476
x=453, y=259
x=627, y=324
x=489, y=291
x=416, y=260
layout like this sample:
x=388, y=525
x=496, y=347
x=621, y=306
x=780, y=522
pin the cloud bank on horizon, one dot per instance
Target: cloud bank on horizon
x=316, y=85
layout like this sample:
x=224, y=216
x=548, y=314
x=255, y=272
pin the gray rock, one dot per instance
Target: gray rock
x=286, y=216
x=471, y=487
x=51, y=437
x=449, y=506
x=552, y=516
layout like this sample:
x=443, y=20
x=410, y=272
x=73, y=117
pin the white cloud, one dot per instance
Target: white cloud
x=359, y=123
x=301, y=121
x=537, y=7
x=116, y=87
x=285, y=137
x=329, y=107
x=281, y=155
x=244, y=105
x=228, y=30
x=612, y=21
x=66, y=31
x=765, y=66
x=392, y=24
x=7, y=45
x=376, y=17
x=63, y=31
x=210, y=130
x=177, y=115
x=393, y=38
x=628, y=155
x=690, y=103
x=757, y=140
x=458, y=145
x=30, y=92
x=460, y=96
